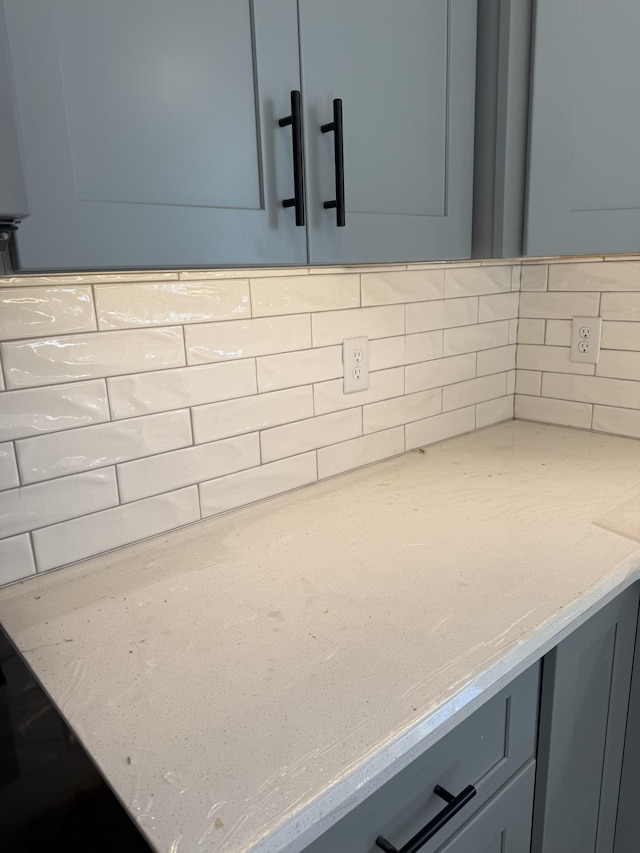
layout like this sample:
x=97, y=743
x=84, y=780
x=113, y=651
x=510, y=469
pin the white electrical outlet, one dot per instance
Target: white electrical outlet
x=585, y=339
x=355, y=364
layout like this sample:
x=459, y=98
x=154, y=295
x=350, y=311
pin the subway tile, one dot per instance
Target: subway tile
x=513, y=330
x=310, y=434
x=619, y=365
x=494, y=411
x=303, y=294
x=441, y=314
x=402, y=410
x=170, y=471
x=384, y=288
x=268, y=272
x=62, y=453
x=558, y=333
x=624, y=336
x=474, y=338
x=424, y=346
x=171, y=303
x=620, y=306
x=330, y=397
x=531, y=331
x=560, y=306
x=595, y=276
x=528, y=382
x=42, y=504
x=42, y=410
x=1, y=374
x=31, y=312
x=634, y=256
x=334, y=326
x=353, y=268
x=496, y=360
x=592, y=389
x=511, y=381
x=442, y=371
x=299, y=368
x=440, y=427
x=548, y=411
x=87, y=279
x=247, y=487
x=534, y=277
x=551, y=359
x=386, y=352
x=250, y=414
x=94, y=534
x=16, y=559
x=207, y=342
x=477, y=281
x=618, y=421
x=498, y=306
x=100, y=354
x=473, y=391
x=360, y=451
x=147, y=393
x=516, y=276
x=8, y=467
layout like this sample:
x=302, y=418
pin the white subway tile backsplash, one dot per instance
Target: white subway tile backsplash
x=511, y=382
x=424, y=346
x=250, y=414
x=16, y=559
x=147, y=393
x=441, y=314
x=619, y=421
x=442, y=371
x=42, y=410
x=384, y=288
x=170, y=471
x=8, y=467
x=208, y=342
x=494, y=411
x=303, y=294
x=592, y=389
x=29, y=507
x=553, y=411
x=310, y=434
x=595, y=276
x=439, y=427
x=94, y=534
x=329, y=396
x=528, y=382
x=561, y=306
x=360, y=451
x=334, y=326
x=516, y=277
x=621, y=335
x=499, y=306
x=619, y=364
x=477, y=281
x=620, y=306
x=553, y=359
x=531, y=331
x=62, y=453
x=299, y=368
x=274, y=478
x=473, y=391
x=558, y=333
x=496, y=360
x=100, y=354
x=474, y=338
x=402, y=410
x=533, y=277
x=79, y=279
x=386, y=352
x=33, y=311
x=268, y=272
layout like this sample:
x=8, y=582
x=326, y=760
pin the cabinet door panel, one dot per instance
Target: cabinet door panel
x=405, y=72
x=147, y=138
x=584, y=161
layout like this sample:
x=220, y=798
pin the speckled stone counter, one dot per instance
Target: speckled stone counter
x=244, y=682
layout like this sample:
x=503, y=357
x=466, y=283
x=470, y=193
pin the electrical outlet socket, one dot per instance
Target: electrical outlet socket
x=586, y=333
x=355, y=364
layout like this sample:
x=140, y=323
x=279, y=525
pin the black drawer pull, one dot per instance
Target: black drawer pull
x=338, y=156
x=295, y=120
x=454, y=804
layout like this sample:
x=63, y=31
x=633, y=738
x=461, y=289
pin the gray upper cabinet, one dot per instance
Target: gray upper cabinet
x=151, y=135
x=150, y=131
x=405, y=72
x=584, y=157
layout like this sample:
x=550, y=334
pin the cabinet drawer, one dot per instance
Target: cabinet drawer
x=485, y=751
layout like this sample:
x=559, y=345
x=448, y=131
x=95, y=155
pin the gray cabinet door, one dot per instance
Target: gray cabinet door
x=628, y=822
x=584, y=158
x=405, y=72
x=583, y=714
x=150, y=131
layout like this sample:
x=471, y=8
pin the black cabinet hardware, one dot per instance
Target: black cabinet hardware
x=295, y=120
x=338, y=154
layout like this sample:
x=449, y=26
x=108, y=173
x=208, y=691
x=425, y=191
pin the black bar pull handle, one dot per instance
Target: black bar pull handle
x=338, y=154
x=295, y=120
x=454, y=804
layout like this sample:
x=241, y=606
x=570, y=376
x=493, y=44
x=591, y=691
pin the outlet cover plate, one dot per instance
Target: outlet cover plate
x=586, y=333
x=355, y=364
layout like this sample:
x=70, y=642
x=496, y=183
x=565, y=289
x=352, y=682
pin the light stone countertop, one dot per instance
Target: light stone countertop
x=244, y=682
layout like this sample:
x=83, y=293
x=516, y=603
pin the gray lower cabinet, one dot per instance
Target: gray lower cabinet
x=628, y=823
x=584, y=161
x=583, y=715
x=151, y=136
